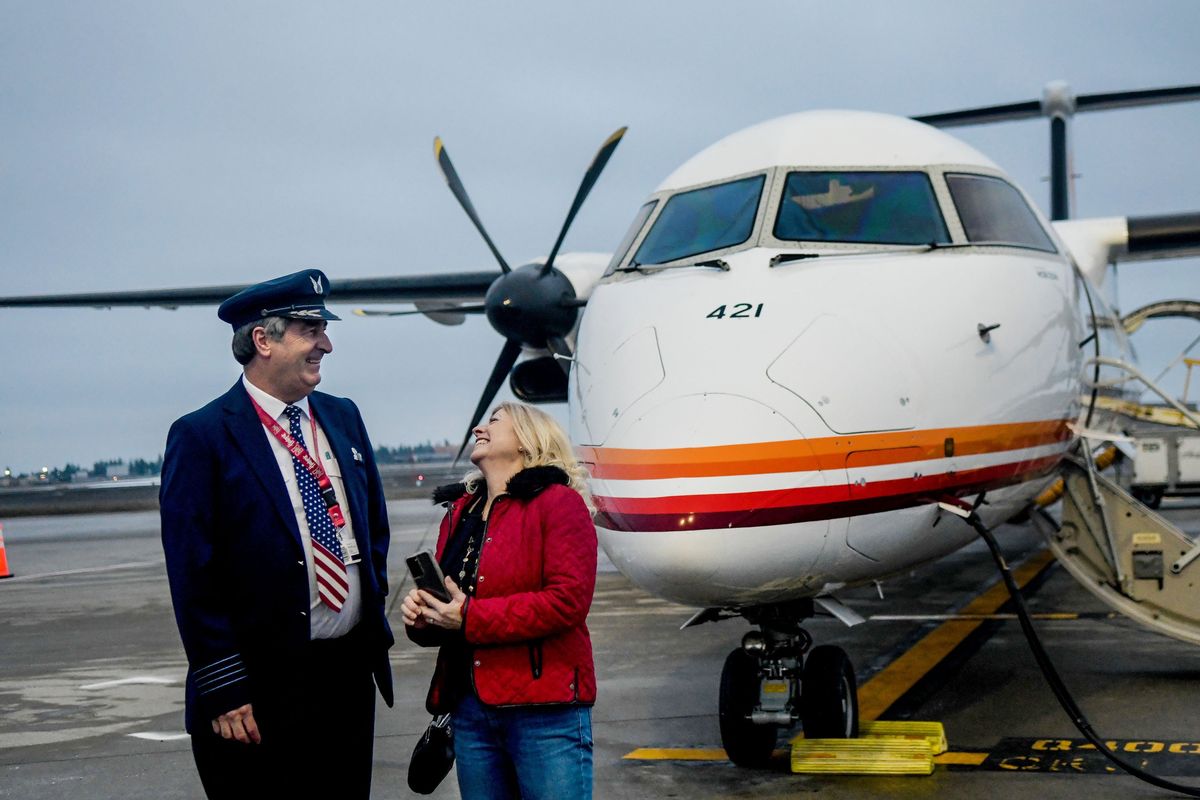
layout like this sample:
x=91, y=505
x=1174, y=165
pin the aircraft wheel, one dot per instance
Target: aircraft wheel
x=746, y=744
x=829, y=695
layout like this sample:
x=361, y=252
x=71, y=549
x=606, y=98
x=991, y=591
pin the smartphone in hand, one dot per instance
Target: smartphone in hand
x=427, y=575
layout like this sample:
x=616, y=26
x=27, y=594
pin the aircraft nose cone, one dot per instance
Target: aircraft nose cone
x=701, y=496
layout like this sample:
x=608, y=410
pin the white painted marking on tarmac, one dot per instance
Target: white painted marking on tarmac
x=84, y=571
x=137, y=679
x=155, y=736
x=936, y=617
x=639, y=612
x=1002, y=617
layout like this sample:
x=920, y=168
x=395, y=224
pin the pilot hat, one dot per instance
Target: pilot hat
x=300, y=295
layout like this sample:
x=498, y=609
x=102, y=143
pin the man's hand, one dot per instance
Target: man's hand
x=238, y=724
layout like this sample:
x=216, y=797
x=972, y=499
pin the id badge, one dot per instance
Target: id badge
x=349, y=547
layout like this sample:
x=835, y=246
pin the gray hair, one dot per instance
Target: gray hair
x=243, y=338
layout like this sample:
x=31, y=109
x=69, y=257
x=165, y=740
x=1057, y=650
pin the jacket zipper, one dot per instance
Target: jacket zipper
x=535, y=659
x=535, y=648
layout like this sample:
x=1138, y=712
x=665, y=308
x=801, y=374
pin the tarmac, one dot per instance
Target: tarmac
x=91, y=673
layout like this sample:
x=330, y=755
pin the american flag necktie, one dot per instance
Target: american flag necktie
x=332, y=585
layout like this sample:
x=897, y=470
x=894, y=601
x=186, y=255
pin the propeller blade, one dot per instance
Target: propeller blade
x=460, y=194
x=1030, y=109
x=589, y=180
x=1143, y=97
x=504, y=365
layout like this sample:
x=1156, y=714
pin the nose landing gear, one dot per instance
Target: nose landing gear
x=769, y=683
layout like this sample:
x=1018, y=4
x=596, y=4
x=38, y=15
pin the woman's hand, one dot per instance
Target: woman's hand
x=413, y=610
x=435, y=612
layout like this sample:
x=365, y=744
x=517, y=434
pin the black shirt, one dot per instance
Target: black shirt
x=460, y=559
x=460, y=563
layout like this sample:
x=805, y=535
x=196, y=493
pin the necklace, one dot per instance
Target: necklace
x=471, y=545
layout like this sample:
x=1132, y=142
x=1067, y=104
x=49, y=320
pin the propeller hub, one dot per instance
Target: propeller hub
x=529, y=306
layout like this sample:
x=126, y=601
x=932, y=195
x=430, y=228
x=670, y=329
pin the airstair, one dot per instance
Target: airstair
x=1130, y=557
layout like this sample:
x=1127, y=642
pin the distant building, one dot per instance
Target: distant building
x=115, y=471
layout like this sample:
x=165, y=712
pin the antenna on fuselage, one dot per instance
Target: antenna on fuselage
x=1060, y=104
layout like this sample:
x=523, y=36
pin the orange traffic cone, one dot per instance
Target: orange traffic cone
x=4, y=573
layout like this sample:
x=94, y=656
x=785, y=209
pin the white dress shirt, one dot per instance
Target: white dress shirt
x=324, y=622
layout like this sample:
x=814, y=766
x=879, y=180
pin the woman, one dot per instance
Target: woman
x=518, y=548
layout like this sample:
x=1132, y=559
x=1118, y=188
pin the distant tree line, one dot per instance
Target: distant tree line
x=140, y=467
x=407, y=454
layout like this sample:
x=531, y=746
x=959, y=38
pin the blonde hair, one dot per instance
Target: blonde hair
x=544, y=444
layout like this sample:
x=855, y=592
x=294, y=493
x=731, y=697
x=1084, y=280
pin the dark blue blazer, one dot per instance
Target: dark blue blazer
x=235, y=560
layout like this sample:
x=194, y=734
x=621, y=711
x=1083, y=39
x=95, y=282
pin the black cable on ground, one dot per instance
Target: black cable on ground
x=1051, y=674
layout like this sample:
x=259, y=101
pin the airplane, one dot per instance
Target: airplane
x=816, y=332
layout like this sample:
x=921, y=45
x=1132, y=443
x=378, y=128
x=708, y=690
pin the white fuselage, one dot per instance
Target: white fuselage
x=816, y=329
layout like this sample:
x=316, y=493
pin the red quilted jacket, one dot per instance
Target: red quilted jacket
x=526, y=622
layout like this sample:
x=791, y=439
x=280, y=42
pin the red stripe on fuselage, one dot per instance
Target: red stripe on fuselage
x=785, y=506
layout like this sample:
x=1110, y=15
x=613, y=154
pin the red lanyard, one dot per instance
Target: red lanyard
x=300, y=452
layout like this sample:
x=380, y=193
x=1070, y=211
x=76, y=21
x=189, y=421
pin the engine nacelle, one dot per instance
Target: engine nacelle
x=539, y=380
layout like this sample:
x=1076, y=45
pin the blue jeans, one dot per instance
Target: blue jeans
x=525, y=752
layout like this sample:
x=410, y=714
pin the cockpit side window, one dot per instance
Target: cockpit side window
x=703, y=220
x=993, y=212
x=635, y=228
x=862, y=207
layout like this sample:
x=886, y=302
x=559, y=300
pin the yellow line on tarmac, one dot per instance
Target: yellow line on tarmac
x=678, y=754
x=960, y=759
x=889, y=684
x=717, y=754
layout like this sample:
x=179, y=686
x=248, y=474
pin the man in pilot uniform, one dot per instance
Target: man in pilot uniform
x=276, y=539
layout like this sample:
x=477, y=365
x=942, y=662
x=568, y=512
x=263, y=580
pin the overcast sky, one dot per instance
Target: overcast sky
x=150, y=144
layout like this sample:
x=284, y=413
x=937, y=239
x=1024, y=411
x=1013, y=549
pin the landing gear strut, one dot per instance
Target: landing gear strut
x=773, y=680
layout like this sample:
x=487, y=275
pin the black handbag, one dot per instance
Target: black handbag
x=433, y=756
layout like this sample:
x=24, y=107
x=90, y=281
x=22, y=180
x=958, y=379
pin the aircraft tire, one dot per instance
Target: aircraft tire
x=829, y=695
x=746, y=744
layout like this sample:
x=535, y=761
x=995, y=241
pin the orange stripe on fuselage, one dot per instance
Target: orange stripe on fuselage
x=803, y=455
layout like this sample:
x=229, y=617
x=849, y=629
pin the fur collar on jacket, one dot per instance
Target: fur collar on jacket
x=522, y=486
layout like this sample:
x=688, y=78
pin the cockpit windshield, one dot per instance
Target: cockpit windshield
x=634, y=229
x=702, y=220
x=862, y=207
x=993, y=212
